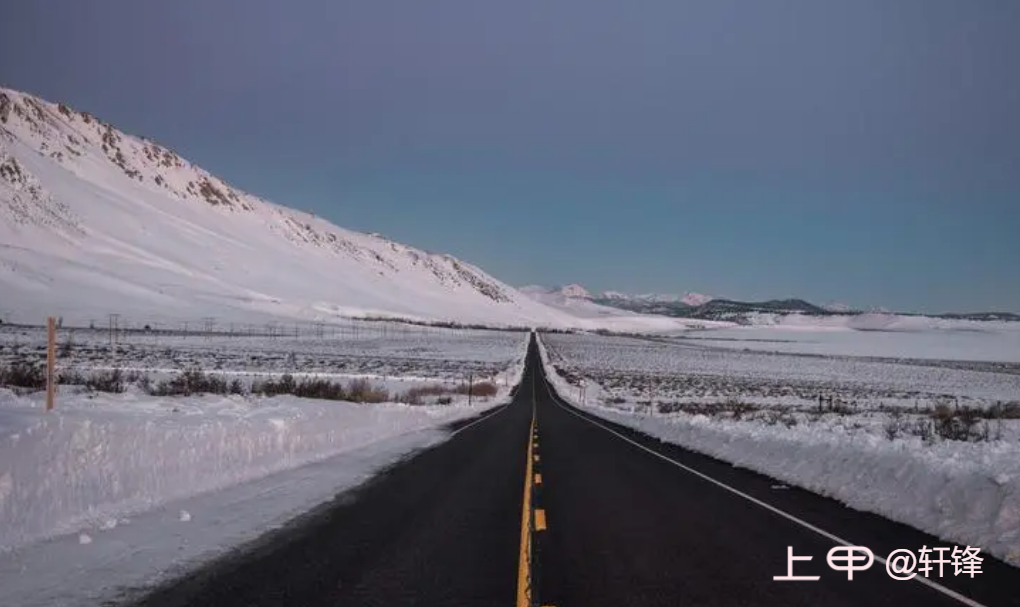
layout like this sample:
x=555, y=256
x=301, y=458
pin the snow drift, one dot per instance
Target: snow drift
x=100, y=457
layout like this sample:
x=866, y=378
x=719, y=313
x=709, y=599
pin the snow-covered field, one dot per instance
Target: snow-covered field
x=932, y=444
x=689, y=370
x=376, y=350
x=72, y=478
x=877, y=335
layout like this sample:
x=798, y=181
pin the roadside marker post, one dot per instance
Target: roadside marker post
x=51, y=361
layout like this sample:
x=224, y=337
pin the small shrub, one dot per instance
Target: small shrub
x=484, y=388
x=417, y=394
x=106, y=381
x=361, y=391
x=739, y=409
x=320, y=388
x=773, y=417
x=959, y=425
x=23, y=375
x=275, y=387
x=735, y=409
x=410, y=398
x=925, y=430
x=841, y=408
x=894, y=428
x=191, y=381
x=71, y=377
x=1004, y=411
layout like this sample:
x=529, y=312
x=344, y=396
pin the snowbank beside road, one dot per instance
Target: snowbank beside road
x=126, y=557
x=967, y=493
x=97, y=458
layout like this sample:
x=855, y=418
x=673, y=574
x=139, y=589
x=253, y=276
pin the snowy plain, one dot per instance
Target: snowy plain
x=118, y=490
x=880, y=453
x=377, y=350
x=669, y=369
x=875, y=335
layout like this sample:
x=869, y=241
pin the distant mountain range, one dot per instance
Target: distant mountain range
x=704, y=307
x=689, y=299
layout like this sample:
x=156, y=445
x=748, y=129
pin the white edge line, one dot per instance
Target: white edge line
x=923, y=580
x=481, y=419
x=511, y=396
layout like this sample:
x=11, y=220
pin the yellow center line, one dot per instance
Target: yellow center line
x=524, y=565
x=539, y=520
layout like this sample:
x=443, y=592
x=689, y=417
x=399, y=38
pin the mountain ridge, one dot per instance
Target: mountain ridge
x=95, y=221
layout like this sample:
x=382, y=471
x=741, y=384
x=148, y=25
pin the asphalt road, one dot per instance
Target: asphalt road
x=614, y=518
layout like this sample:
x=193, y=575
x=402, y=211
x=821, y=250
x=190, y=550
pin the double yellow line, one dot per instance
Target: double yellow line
x=529, y=526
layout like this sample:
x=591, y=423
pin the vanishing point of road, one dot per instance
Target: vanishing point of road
x=538, y=503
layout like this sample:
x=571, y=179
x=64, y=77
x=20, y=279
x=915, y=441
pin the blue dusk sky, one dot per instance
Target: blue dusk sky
x=864, y=151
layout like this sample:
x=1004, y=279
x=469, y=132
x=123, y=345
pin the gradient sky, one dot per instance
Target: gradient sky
x=865, y=151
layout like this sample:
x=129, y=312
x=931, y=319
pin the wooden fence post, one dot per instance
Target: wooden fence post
x=51, y=361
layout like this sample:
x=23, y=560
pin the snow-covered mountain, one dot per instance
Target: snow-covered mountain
x=94, y=221
x=593, y=315
x=690, y=299
x=576, y=291
x=614, y=295
x=835, y=306
x=696, y=299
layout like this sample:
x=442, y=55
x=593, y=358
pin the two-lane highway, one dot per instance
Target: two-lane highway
x=539, y=503
x=441, y=528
